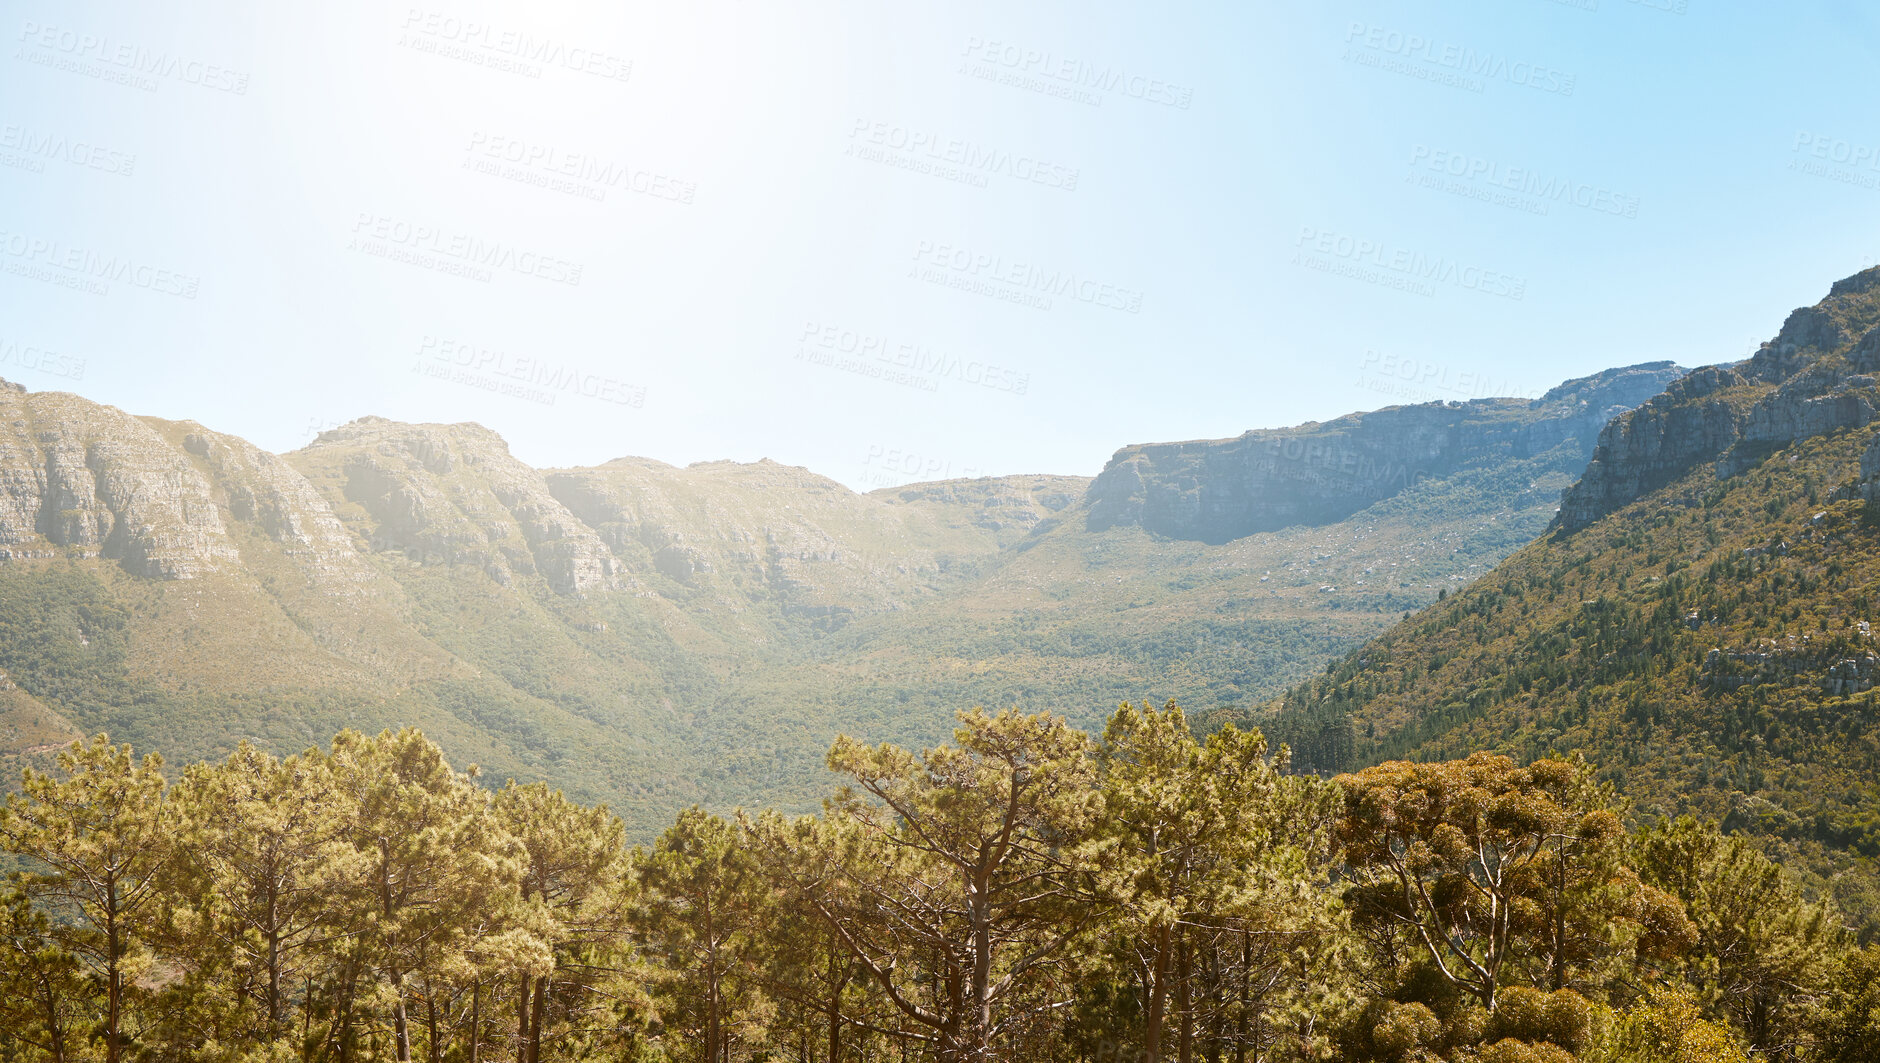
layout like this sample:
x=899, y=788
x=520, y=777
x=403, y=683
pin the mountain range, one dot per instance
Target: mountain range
x=1698, y=619
x=656, y=637
x=1670, y=572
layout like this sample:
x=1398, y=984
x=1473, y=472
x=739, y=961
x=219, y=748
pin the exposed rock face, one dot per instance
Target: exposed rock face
x=1657, y=443
x=174, y=500
x=1732, y=669
x=89, y=480
x=453, y=494
x=1218, y=490
x=1817, y=376
x=1870, y=465
x=259, y=489
x=629, y=505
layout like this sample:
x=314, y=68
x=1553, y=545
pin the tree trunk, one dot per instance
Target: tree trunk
x=1217, y=1006
x=55, y=1030
x=430, y=1022
x=1246, y=981
x=342, y=1018
x=401, y=1030
x=476, y=1023
x=1156, y=1014
x=394, y=975
x=522, y=1022
x=837, y=983
x=533, y=1012
x=274, y=959
x=114, y=976
x=711, y=1052
x=536, y=1015
x=979, y=1019
x=1186, y=1046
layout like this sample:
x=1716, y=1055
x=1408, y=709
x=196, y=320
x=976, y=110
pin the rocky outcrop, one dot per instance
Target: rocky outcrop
x=1651, y=446
x=453, y=494
x=1218, y=490
x=1818, y=375
x=82, y=479
x=256, y=489
x=627, y=505
x=1733, y=669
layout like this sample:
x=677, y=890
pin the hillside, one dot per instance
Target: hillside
x=1698, y=621
x=655, y=636
x=1216, y=491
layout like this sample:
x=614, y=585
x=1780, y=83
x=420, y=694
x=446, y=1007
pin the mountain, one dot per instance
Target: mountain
x=1815, y=377
x=1216, y=491
x=1698, y=620
x=655, y=636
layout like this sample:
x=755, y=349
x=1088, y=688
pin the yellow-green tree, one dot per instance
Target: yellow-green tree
x=1667, y=1027
x=578, y=872
x=433, y=906
x=1844, y=1026
x=1490, y=870
x=248, y=899
x=47, y=1006
x=960, y=879
x=1763, y=953
x=1212, y=846
x=98, y=839
x=703, y=907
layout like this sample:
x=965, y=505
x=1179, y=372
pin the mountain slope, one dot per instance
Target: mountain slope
x=655, y=636
x=1219, y=490
x=1699, y=621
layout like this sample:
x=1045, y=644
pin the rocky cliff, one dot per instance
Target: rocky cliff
x=658, y=636
x=82, y=480
x=453, y=494
x=1215, y=491
x=1815, y=377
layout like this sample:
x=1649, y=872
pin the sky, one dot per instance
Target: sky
x=906, y=240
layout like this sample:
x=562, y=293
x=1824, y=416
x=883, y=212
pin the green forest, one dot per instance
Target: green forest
x=1693, y=647
x=1027, y=892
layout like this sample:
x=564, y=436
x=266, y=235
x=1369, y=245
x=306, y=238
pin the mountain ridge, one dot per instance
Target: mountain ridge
x=643, y=633
x=1219, y=490
x=1698, y=621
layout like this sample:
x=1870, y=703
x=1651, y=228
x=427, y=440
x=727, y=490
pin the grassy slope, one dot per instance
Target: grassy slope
x=808, y=610
x=1074, y=622
x=707, y=692
x=1596, y=642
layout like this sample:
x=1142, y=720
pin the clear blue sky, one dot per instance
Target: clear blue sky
x=910, y=239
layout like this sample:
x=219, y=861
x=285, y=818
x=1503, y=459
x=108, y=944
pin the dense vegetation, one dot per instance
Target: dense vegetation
x=1027, y=893
x=755, y=611
x=654, y=704
x=1710, y=647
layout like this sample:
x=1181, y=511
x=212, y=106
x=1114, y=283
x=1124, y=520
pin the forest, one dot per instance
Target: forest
x=1026, y=893
x=1695, y=652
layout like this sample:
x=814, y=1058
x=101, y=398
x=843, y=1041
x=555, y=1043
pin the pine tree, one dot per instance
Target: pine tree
x=249, y=895
x=578, y=875
x=100, y=837
x=1491, y=870
x=703, y=907
x=47, y=1005
x=1763, y=953
x=435, y=901
x=1213, y=843
x=963, y=880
